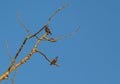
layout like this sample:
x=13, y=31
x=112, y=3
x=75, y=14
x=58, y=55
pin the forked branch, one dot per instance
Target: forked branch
x=13, y=66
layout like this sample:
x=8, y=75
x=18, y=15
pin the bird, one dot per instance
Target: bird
x=47, y=30
x=53, y=62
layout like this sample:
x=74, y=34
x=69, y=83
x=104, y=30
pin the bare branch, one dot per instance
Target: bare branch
x=21, y=47
x=7, y=48
x=37, y=32
x=50, y=39
x=11, y=62
x=59, y=9
x=40, y=39
x=13, y=80
x=53, y=62
x=49, y=19
x=44, y=55
x=68, y=35
x=13, y=66
x=25, y=27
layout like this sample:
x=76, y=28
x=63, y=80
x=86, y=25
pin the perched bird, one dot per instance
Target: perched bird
x=47, y=30
x=53, y=62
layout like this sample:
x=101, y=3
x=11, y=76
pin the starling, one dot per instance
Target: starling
x=54, y=61
x=47, y=30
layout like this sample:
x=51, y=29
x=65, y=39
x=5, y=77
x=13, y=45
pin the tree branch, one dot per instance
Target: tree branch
x=24, y=26
x=14, y=66
x=51, y=62
x=68, y=35
x=59, y=9
x=7, y=48
x=44, y=55
x=12, y=63
x=49, y=19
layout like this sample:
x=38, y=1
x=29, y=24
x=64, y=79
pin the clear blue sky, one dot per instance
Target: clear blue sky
x=92, y=56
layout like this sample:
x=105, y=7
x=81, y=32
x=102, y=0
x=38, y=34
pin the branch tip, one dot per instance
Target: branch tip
x=59, y=9
x=21, y=23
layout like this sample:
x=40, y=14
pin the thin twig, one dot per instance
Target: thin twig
x=50, y=39
x=7, y=48
x=44, y=55
x=59, y=9
x=25, y=27
x=13, y=80
x=37, y=32
x=11, y=61
x=68, y=35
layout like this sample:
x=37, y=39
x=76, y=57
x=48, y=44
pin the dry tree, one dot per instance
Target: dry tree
x=14, y=66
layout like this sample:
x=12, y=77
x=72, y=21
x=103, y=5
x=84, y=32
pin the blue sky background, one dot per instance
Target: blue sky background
x=91, y=56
